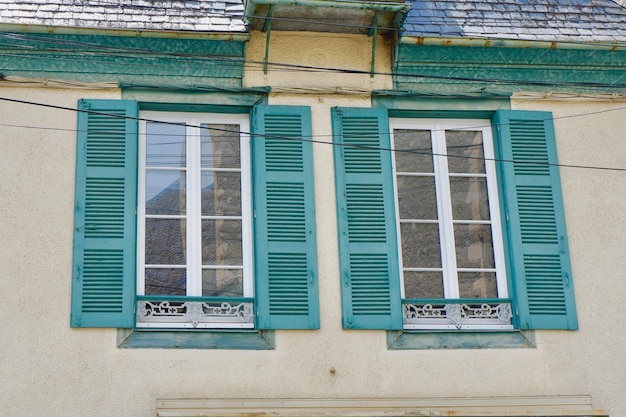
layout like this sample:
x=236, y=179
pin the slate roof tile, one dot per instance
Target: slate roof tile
x=127, y=14
x=543, y=20
x=546, y=20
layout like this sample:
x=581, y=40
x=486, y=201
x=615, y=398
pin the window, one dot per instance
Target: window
x=163, y=220
x=449, y=225
x=194, y=221
x=454, y=229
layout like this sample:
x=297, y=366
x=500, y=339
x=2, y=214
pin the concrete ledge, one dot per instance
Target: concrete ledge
x=504, y=339
x=536, y=406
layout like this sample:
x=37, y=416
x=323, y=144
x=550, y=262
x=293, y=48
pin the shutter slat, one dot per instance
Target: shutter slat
x=535, y=230
x=103, y=286
x=366, y=220
x=285, y=246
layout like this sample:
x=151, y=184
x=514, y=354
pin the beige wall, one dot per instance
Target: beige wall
x=49, y=369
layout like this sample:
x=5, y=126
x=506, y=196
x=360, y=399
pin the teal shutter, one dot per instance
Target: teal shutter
x=284, y=218
x=103, y=277
x=368, y=247
x=534, y=220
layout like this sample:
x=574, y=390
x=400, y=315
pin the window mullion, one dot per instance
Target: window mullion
x=141, y=212
x=193, y=221
x=494, y=213
x=246, y=207
x=444, y=209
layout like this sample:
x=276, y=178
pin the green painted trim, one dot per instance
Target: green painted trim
x=163, y=100
x=129, y=60
x=442, y=107
x=135, y=33
x=414, y=340
x=193, y=108
x=450, y=69
x=105, y=223
x=196, y=339
x=284, y=218
x=367, y=235
x=445, y=114
x=533, y=221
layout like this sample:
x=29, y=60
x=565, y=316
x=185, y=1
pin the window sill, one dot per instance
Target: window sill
x=181, y=339
x=485, y=339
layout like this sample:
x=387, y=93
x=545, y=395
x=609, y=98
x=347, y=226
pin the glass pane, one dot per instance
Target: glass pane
x=474, y=247
x=165, y=192
x=416, y=198
x=165, y=145
x=222, y=283
x=477, y=285
x=221, y=242
x=221, y=193
x=165, y=241
x=423, y=284
x=166, y=281
x=419, y=152
x=420, y=245
x=220, y=146
x=465, y=152
x=469, y=198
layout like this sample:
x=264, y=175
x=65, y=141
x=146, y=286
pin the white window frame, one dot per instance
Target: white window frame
x=445, y=219
x=194, y=216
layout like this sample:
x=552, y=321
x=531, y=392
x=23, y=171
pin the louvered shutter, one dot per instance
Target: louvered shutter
x=103, y=278
x=538, y=254
x=368, y=248
x=284, y=218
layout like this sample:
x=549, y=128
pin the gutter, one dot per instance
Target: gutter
x=133, y=33
x=510, y=43
x=337, y=4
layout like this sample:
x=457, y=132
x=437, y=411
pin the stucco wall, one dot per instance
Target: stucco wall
x=49, y=369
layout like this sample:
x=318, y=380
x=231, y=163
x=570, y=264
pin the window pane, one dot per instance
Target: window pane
x=165, y=192
x=477, y=285
x=474, y=247
x=165, y=281
x=165, y=145
x=165, y=241
x=220, y=146
x=420, y=245
x=416, y=198
x=465, y=152
x=221, y=193
x=221, y=242
x=469, y=198
x=222, y=282
x=419, y=152
x=423, y=284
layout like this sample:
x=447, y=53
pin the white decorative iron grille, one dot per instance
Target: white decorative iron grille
x=479, y=315
x=195, y=314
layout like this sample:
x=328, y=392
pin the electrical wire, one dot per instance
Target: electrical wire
x=317, y=141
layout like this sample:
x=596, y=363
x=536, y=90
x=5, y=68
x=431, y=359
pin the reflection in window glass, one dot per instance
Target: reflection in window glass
x=192, y=209
x=165, y=145
x=445, y=217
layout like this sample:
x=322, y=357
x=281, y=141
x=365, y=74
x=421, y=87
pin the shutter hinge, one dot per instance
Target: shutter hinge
x=79, y=273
